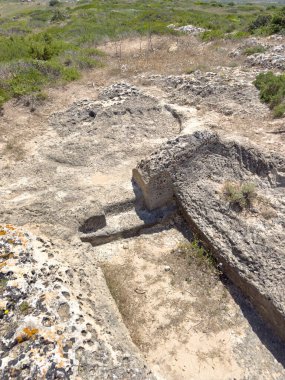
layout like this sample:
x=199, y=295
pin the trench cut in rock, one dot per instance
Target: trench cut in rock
x=125, y=223
x=195, y=168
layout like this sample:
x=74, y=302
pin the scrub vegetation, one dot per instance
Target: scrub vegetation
x=272, y=91
x=240, y=195
x=45, y=43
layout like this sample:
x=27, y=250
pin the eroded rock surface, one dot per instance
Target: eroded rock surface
x=250, y=245
x=66, y=172
x=55, y=324
x=271, y=55
x=81, y=161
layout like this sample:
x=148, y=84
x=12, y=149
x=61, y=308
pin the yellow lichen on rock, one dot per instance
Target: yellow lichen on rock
x=28, y=333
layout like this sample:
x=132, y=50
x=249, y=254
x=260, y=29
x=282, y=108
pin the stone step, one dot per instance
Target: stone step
x=128, y=224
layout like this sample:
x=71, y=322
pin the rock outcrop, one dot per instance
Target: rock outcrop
x=55, y=324
x=248, y=244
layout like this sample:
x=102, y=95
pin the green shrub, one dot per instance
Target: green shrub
x=53, y=3
x=12, y=48
x=24, y=308
x=58, y=16
x=70, y=74
x=195, y=252
x=277, y=24
x=211, y=35
x=272, y=91
x=237, y=35
x=26, y=81
x=279, y=111
x=260, y=21
x=44, y=47
x=254, y=50
x=270, y=23
x=190, y=70
x=240, y=195
x=4, y=95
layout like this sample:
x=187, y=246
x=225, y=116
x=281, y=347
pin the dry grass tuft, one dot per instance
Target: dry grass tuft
x=14, y=149
x=167, y=55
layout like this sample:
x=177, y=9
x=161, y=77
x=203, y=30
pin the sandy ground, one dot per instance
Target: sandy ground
x=188, y=324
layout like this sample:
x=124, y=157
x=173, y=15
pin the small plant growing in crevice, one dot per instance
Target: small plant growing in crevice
x=195, y=252
x=240, y=195
x=3, y=283
x=24, y=308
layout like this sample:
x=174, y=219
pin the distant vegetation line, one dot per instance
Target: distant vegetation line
x=51, y=42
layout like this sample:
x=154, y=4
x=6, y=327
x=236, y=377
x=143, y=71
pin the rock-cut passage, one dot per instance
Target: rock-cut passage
x=232, y=196
x=187, y=323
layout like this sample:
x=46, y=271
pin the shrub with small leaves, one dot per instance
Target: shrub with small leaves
x=24, y=308
x=53, y=3
x=272, y=91
x=195, y=251
x=254, y=50
x=240, y=195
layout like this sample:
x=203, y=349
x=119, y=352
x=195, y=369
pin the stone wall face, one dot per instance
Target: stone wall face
x=158, y=191
x=249, y=243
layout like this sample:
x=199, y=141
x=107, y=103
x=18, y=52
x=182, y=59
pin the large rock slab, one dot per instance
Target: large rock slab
x=58, y=319
x=249, y=244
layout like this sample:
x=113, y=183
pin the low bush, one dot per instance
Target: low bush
x=53, y=3
x=259, y=22
x=24, y=308
x=254, y=50
x=211, y=35
x=26, y=81
x=277, y=24
x=240, y=195
x=30, y=76
x=279, y=111
x=272, y=91
x=58, y=15
x=269, y=23
x=70, y=73
x=194, y=251
x=237, y=35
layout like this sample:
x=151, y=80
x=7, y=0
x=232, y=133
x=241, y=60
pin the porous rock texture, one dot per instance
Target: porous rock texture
x=48, y=329
x=271, y=56
x=58, y=318
x=66, y=171
x=249, y=245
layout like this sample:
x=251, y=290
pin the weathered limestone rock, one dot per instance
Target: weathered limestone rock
x=59, y=321
x=250, y=245
x=158, y=191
